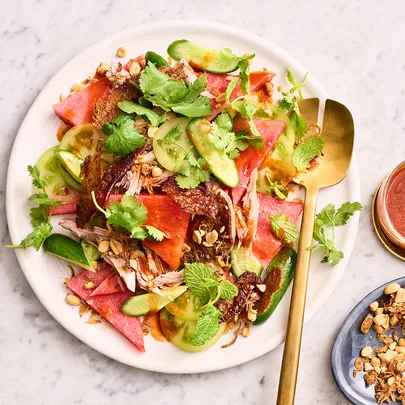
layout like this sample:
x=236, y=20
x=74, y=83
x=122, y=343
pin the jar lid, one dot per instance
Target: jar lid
x=385, y=240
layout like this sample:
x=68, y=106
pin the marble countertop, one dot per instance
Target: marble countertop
x=355, y=50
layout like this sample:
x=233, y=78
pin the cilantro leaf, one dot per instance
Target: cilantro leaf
x=123, y=137
x=345, y=212
x=200, y=107
x=230, y=88
x=306, y=151
x=228, y=290
x=130, y=107
x=199, y=279
x=40, y=215
x=247, y=110
x=296, y=85
x=193, y=171
x=299, y=124
x=207, y=326
x=283, y=229
x=168, y=93
x=172, y=136
x=155, y=234
x=329, y=217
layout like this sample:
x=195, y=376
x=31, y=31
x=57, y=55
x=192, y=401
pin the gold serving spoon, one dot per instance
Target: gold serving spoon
x=338, y=133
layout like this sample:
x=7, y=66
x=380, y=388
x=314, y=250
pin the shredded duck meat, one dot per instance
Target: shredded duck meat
x=246, y=284
x=197, y=201
x=92, y=173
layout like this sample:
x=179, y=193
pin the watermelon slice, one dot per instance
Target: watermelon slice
x=109, y=306
x=78, y=108
x=265, y=244
x=217, y=84
x=251, y=158
x=166, y=215
x=108, y=286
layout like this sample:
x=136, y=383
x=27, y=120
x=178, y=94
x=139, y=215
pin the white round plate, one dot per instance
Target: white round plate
x=46, y=274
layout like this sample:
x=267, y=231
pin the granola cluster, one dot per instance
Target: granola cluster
x=384, y=366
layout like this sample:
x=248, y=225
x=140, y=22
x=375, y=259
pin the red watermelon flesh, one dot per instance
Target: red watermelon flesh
x=217, y=84
x=166, y=215
x=108, y=286
x=265, y=244
x=78, y=108
x=251, y=158
x=109, y=306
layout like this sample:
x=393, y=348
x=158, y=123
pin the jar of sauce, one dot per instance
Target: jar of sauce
x=390, y=206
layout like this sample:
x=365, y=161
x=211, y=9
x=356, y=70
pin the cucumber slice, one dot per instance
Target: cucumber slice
x=69, y=180
x=187, y=307
x=67, y=249
x=222, y=166
x=90, y=251
x=242, y=261
x=278, y=277
x=180, y=332
x=82, y=140
x=71, y=163
x=156, y=59
x=56, y=186
x=171, y=154
x=278, y=164
x=150, y=303
x=203, y=58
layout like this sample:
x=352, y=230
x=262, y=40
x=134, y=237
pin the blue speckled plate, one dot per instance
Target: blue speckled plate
x=347, y=346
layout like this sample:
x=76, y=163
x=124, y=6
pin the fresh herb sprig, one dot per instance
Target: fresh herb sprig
x=283, y=228
x=40, y=215
x=129, y=215
x=306, y=151
x=193, y=171
x=202, y=282
x=289, y=104
x=329, y=218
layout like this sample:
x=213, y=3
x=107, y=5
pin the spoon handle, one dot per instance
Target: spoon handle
x=291, y=355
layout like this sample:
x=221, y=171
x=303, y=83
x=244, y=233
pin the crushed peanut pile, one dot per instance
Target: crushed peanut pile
x=384, y=367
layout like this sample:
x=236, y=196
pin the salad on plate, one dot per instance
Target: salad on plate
x=173, y=181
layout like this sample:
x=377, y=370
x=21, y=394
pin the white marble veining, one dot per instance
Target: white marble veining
x=355, y=50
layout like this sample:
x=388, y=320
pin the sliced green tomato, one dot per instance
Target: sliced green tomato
x=150, y=303
x=82, y=140
x=171, y=155
x=91, y=252
x=71, y=163
x=222, y=167
x=180, y=332
x=67, y=249
x=242, y=261
x=203, y=58
x=278, y=165
x=69, y=180
x=187, y=306
x=156, y=59
x=56, y=186
x=278, y=277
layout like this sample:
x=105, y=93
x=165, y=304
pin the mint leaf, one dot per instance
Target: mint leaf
x=306, y=151
x=40, y=215
x=199, y=278
x=207, y=326
x=130, y=107
x=244, y=73
x=283, y=229
x=228, y=290
x=123, y=137
x=345, y=212
x=172, y=136
x=230, y=88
